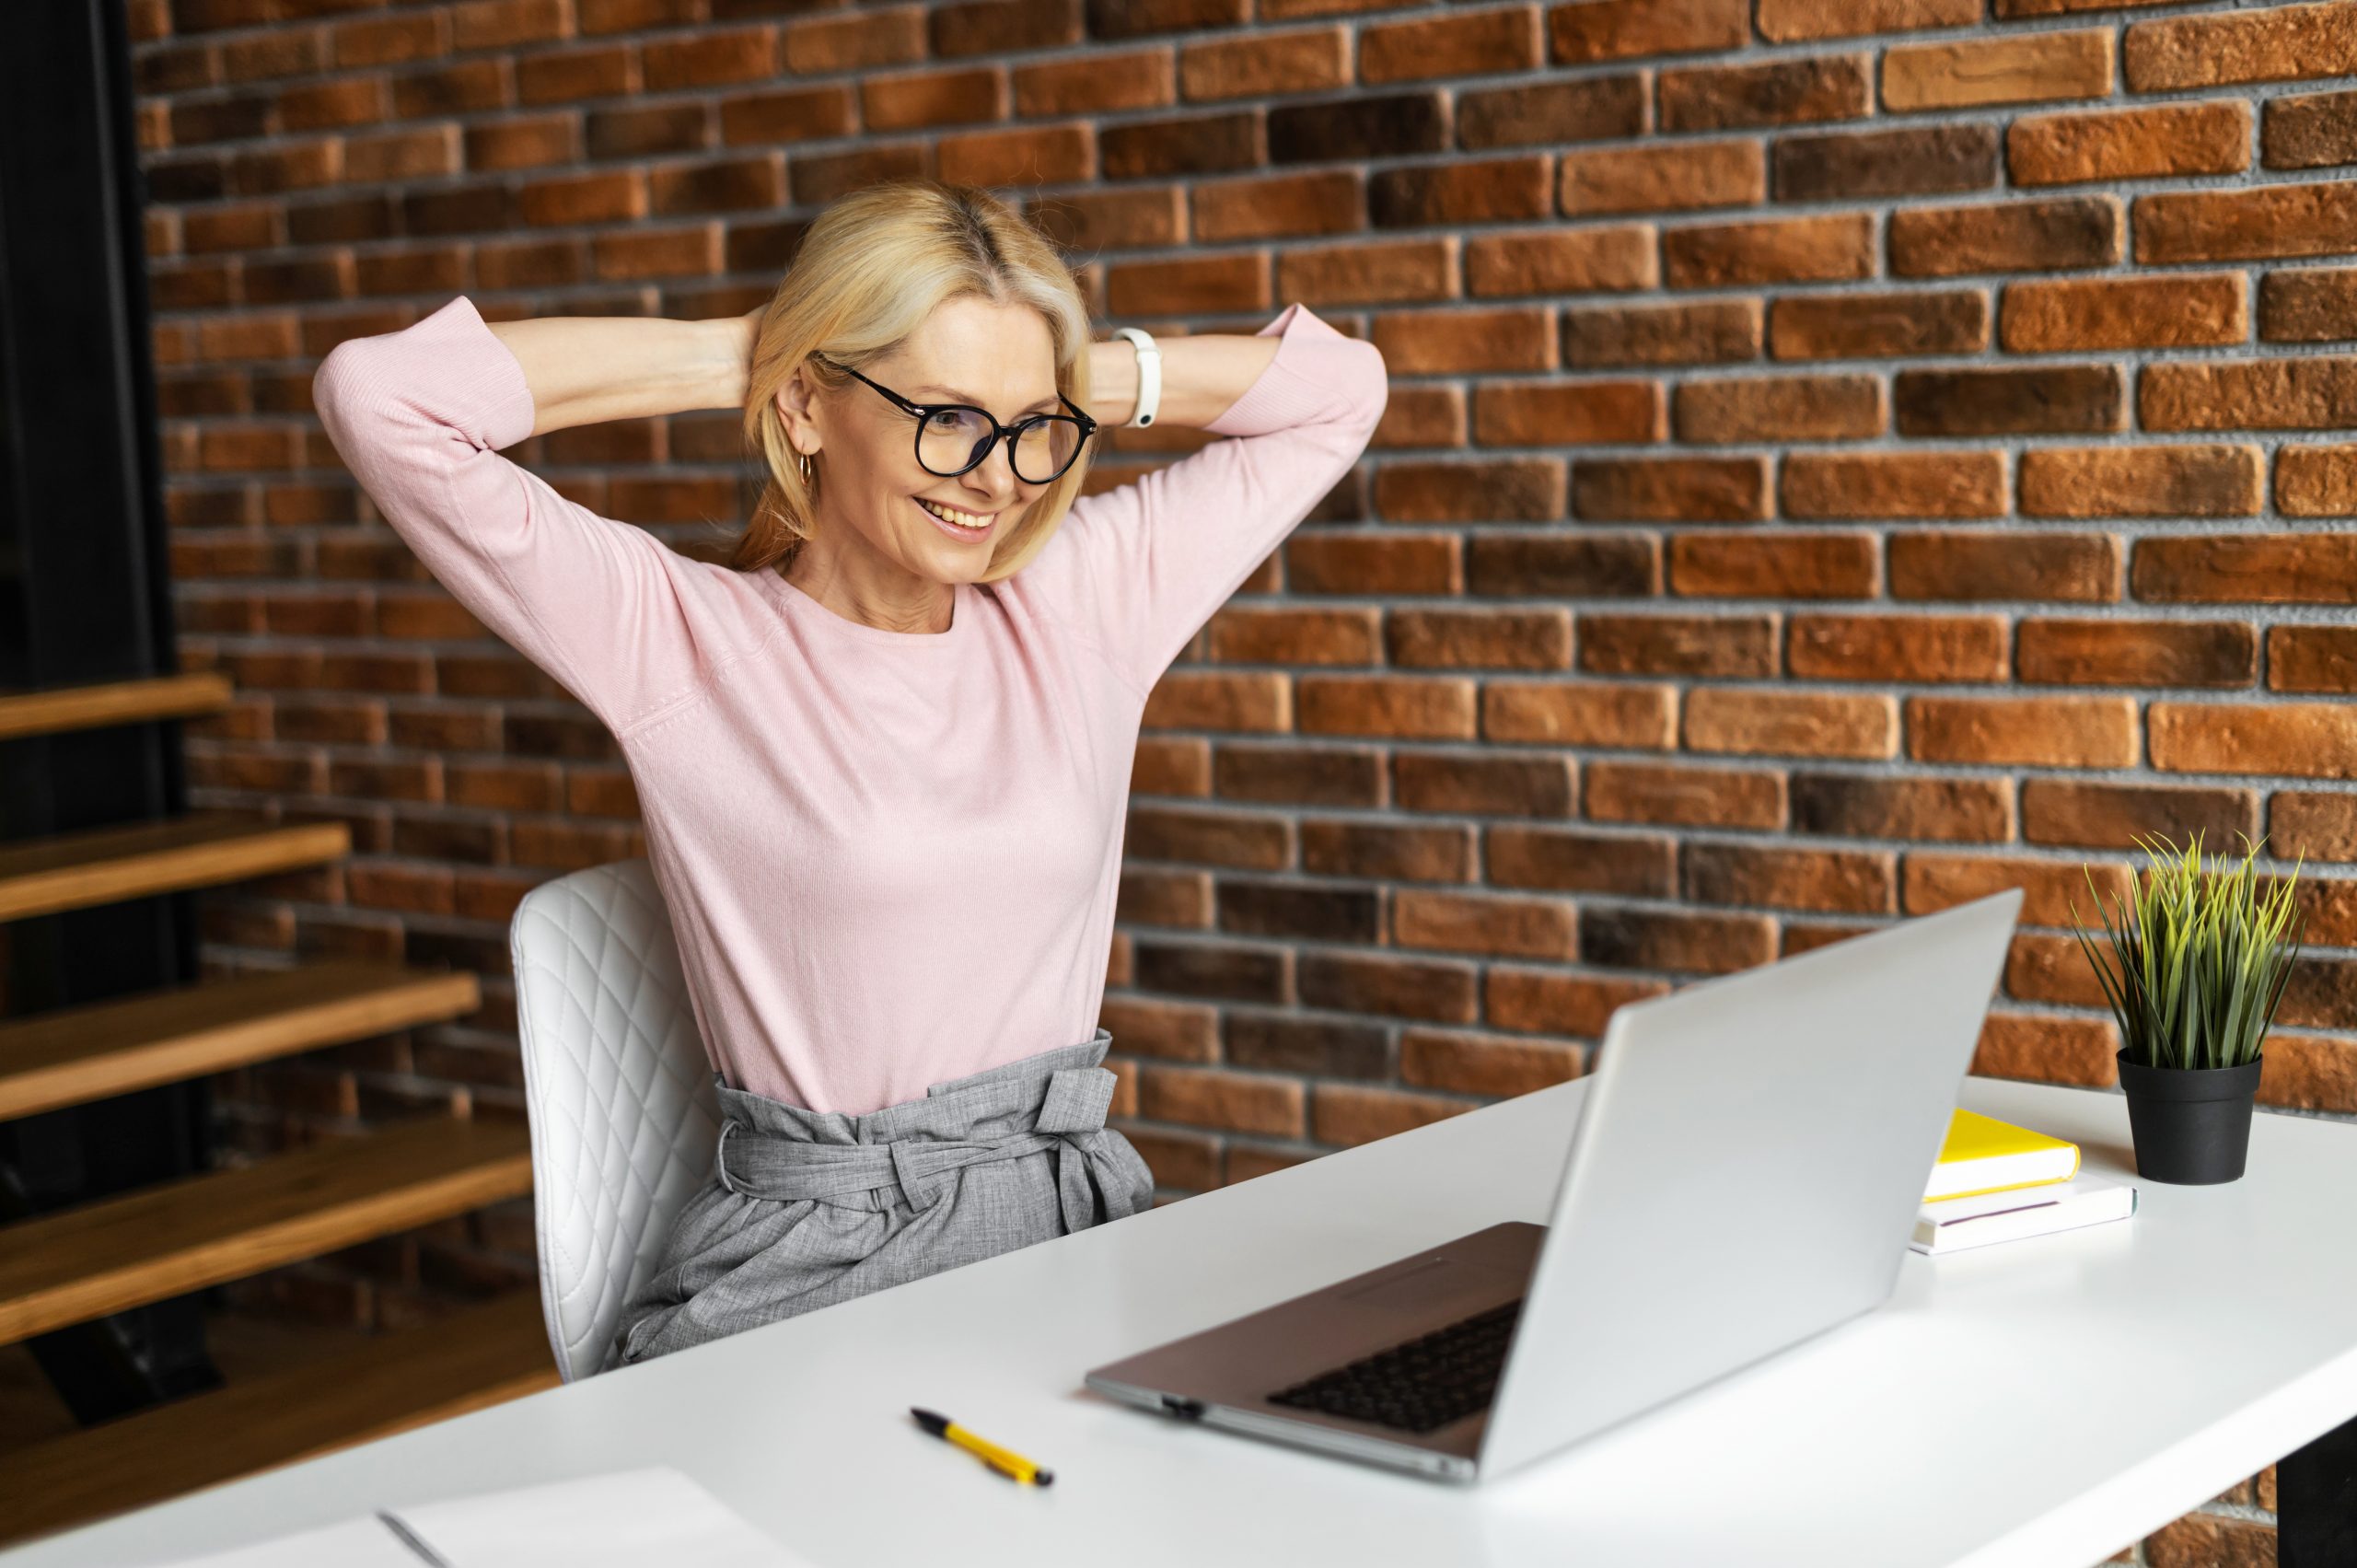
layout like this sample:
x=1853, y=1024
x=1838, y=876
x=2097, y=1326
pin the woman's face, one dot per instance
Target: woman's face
x=871, y=486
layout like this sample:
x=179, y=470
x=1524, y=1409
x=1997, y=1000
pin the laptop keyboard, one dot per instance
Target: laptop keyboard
x=1421, y=1385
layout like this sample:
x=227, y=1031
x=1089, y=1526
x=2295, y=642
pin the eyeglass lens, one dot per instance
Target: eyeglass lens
x=950, y=441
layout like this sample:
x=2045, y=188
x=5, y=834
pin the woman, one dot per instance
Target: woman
x=882, y=752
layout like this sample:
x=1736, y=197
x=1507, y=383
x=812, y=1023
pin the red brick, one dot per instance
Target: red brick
x=2062, y=399
x=1433, y=990
x=2179, y=312
x=1838, y=881
x=1553, y=412
x=2316, y=132
x=2297, y=739
x=1916, y=160
x=2136, y=144
x=2312, y=659
x=1783, y=566
x=1579, y=261
x=1400, y=706
x=921, y=100
x=1789, y=91
x=2315, y=480
x=2047, y=1047
x=2007, y=237
x=1878, y=326
x=2004, y=565
x=2258, y=223
x=1461, y=45
x=1956, y=811
x=1894, y=485
x=1467, y=639
x=1187, y=699
x=1209, y=283
x=1652, y=178
x=2136, y=653
x=1484, y=925
x=1464, y=190
x=1478, y=1064
x=1494, y=785
x=1579, y=108
x=2053, y=732
x=1786, y=21
x=2022, y=68
x=1347, y=1114
x=2141, y=481
x=2309, y=306
x=2318, y=826
x=2050, y=889
x=1726, y=490
x=1577, y=713
x=1698, y=333
x=1568, y=861
x=1362, y=563
x=1320, y=201
x=1897, y=647
x=1268, y=63
x=1616, y=29
x=2308, y=1073
x=1779, y=408
x=1231, y=1101
x=2280, y=43
x=1691, y=940
x=1676, y=793
x=1550, y=1002
x=1824, y=249
x=1420, y=342
x=1678, y=645
x=1527, y=490
x=2308, y=568
x=1406, y=269
x=1807, y=724
x=2116, y=816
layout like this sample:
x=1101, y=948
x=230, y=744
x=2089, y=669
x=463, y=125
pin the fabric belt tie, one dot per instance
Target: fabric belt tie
x=1069, y=1123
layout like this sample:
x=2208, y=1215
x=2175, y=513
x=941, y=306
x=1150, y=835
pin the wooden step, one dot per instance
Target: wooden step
x=74, y=1055
x=159, y=1241
x=461, y=1362
x=63, y=708
x=105, y=866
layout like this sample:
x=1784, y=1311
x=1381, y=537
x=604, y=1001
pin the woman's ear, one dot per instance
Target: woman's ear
x=792, y=401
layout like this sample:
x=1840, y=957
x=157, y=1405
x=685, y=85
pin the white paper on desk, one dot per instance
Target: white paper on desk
x=355, y=1543
x=627, y=1519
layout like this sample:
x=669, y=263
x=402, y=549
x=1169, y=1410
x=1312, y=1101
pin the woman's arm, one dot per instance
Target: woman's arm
x=588, y=370
x=1201, y=376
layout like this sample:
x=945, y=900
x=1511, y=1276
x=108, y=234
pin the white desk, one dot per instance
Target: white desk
x=2044, y=1401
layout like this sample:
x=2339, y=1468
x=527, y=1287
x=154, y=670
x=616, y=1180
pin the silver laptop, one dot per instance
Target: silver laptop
x=1817, y=1089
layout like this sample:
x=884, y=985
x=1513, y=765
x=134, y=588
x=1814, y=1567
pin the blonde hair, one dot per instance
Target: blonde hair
x=869, y=269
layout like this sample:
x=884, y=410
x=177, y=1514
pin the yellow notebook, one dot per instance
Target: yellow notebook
x=1984, y=1155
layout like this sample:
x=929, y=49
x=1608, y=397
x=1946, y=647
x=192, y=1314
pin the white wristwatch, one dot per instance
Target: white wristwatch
x=1149, y=375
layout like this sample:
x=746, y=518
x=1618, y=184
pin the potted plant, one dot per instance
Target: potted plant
x=2195, y=970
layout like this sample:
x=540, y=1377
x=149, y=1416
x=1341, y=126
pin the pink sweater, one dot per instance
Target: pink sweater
x=891, y=857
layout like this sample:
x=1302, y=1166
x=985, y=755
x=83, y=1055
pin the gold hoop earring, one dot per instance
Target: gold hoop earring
x=809, y=470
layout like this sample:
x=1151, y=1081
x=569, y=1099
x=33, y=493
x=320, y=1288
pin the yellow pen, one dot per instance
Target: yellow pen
x=1014, y=1466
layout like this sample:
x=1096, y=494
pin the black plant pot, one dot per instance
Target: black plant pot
x=2191, y=1124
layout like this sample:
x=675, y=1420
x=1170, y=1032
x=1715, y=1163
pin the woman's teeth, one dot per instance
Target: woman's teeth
x=948, y=514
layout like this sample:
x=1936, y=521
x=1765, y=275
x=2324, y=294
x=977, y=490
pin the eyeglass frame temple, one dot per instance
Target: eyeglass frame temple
x=1088, y=427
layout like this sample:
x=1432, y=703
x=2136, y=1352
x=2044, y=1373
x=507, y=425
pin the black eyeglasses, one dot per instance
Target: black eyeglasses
x=953, y=438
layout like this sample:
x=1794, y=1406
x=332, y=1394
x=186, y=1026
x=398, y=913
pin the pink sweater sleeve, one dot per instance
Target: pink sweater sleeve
x=625, y=622
x=1141, y=567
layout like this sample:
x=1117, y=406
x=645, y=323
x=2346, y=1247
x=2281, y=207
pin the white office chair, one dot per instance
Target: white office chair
x=620, y=1095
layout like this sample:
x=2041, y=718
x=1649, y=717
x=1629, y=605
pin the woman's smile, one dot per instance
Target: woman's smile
x=956, y=524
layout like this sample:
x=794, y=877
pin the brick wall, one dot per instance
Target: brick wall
x=1844, y=457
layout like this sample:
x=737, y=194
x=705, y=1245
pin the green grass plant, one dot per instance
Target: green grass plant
x=2198, y=959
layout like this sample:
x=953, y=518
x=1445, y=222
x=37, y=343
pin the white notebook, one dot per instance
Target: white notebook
x=1953, y=1225
x=626, y=1519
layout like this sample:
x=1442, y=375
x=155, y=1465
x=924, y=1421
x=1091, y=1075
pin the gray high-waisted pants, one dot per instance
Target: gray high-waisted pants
x=809, y=1208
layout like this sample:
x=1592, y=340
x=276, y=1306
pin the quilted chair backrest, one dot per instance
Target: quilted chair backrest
x=619, y=1094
